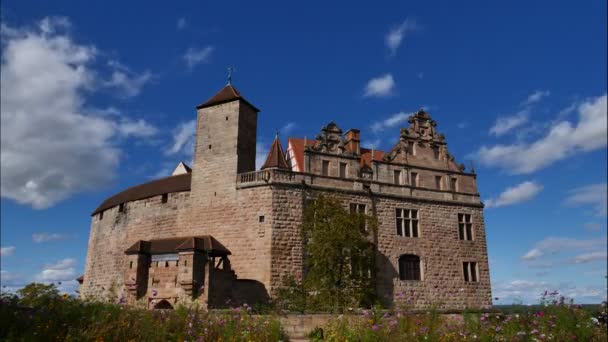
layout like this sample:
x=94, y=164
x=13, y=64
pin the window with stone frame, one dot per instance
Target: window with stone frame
x=342, y=170
x=469, y=270
x=465, y=227
x=407, y=222
x=436, y=152
x=409, y=267
x=358, y=208
x=325, y=167
x=438, y=182
x=414, y=179
x=397, y=176
x=453, y=184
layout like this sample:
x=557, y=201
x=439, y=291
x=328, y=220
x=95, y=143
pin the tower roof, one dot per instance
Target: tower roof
x=276, y=157
x=226, y=94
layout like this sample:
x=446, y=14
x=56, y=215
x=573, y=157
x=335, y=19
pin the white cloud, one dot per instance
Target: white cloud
x=592, y=226
x=7, y=251
x=129, y=85
x=285, y=130
x=536, y=97
x=516, y=194
x=390, y=122
x=380, y=86
x=195, y=56
x=533, y=254
x=594, y=195
x=181, y=23
x=530, y=291
x=11, y=279
x=563, y=139
x=136, y=128
x=45, y=237
x=52, y=145
x=63, y=270
x=395, y=36
x=589, y=257
x=507, y=123
x=183, y=138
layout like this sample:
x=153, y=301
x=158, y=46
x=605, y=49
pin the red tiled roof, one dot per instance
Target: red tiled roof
x=366, y=156
x=173, y=245
x=226, y=94
x=276, y=157
x=297, y=146
x=157, y=187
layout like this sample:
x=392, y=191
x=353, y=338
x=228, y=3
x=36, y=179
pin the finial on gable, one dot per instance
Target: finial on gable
x=230, y=70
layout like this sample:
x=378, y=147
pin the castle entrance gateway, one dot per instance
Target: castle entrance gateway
x=164, y=272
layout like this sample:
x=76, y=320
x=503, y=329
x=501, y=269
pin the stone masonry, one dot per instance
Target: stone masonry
x=249, y=219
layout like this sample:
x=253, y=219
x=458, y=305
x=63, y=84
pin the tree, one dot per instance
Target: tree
x=37, y=294
x=339, y=255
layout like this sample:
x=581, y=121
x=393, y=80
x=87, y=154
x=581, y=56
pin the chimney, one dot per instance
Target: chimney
x=353, y=140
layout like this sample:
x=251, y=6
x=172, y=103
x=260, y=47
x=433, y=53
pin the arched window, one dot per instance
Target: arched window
x=409, y=267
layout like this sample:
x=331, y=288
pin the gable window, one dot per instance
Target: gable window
x=414, y=179
x=469, y=270
x=409, y=267
x=410, y=148
x=436, y=152
x=407, y=222
x=438, y=182
x=397, y=177
x=342, y=170
x=325, y=168
x=358, y=208
x=453, y=183
x=465, y=227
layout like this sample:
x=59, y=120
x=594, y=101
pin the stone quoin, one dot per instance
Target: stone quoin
x=222, y=233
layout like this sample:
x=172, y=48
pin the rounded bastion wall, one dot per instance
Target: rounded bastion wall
x=115, y=229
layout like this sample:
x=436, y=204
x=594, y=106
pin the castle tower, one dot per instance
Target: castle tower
x=225, y=145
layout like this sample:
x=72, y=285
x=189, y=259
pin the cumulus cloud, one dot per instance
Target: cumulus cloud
x=7, y=251
x=183, y=138
x=593, y=195
x=395, y=36
x=127, y=83
x=11, y=279
x=562, y=140
x=52, y=144
x=516, y=194
x=46, y=237
x=535, y=97
x=390, y=122
x=530, y=291
x=195, y=56
x=583, y=251
x=380, y=86
x=532, y=254
x=507, y=123
x=63, y=270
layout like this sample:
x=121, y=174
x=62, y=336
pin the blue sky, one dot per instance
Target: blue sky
x=100, y=96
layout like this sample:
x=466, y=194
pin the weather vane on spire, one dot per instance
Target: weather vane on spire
x=230, y=69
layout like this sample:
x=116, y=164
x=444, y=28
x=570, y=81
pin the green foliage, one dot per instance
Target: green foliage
x=64, y=318
x=339, y=257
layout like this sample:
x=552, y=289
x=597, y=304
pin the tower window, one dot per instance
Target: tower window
x=465, y=227
x=407, y=222
x=261, y=219
x=325, y=168
x=209, y=146
x=409, y=267
x=342, y=170
x=164, y=198
x=469, y=270
x=101, y=215
x=121, y=207
x=414, y=179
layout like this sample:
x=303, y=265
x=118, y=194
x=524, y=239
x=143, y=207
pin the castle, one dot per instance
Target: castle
x=223, y=232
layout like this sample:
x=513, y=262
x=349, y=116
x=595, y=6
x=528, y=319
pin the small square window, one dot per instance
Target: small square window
x=164, y=198
x=261, y=219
